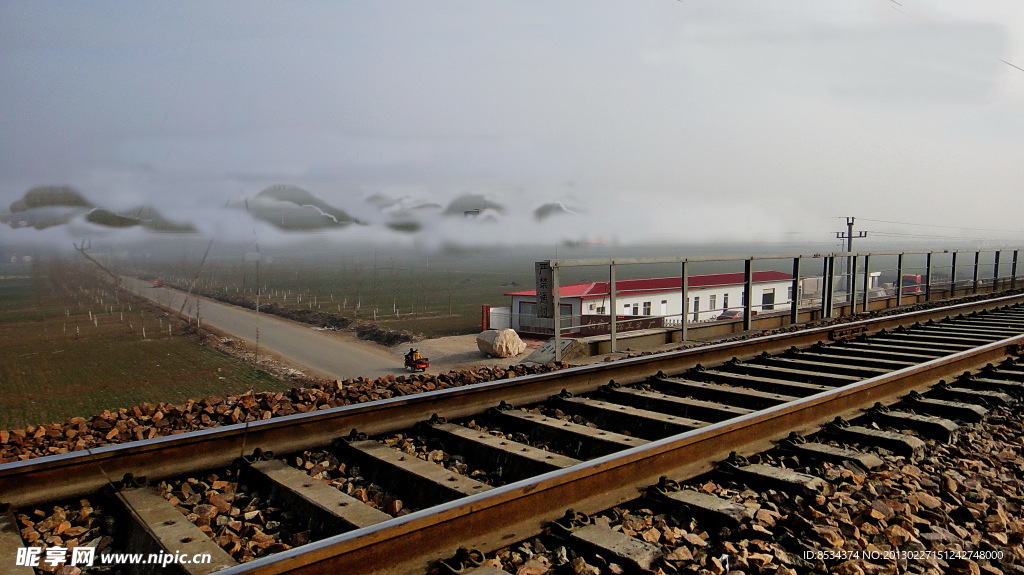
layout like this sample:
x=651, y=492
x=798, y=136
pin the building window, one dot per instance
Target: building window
x=696, y=308
x=789, y=293
x=636, y=309
x=712, y=302
x=725, y=301
x=647, y=308
x=601, y=310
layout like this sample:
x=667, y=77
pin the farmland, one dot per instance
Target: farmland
x=74, y=347
x=430, y=295
x=437, y=296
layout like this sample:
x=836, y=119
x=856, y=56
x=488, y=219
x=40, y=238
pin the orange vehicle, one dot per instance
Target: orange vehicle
x=416, y=362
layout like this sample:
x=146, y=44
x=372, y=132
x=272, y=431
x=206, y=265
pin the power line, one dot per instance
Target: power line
x=943, y=227
x=1010, y=64
x=927, y=236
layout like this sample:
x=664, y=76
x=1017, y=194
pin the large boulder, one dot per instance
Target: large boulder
x=500, y=343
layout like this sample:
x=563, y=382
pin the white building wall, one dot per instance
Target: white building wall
x=671, y=308
x=673, y=301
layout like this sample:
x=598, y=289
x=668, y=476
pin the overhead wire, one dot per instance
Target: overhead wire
x=943, y=227
x=930, y=236
x=1011, y=64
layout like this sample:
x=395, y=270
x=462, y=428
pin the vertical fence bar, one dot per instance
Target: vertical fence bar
x=952, y=276
x=977, y=270
x=867, y=283
x=1013, y=270
x=928, y=277
x=612, y=307
x=684, y=285
x=851, y=283
x=899, y=280
x=995, y=272
x=748, y=294
x=794, y=305
x=558, y=313
x=831, y=281
x=824, y=286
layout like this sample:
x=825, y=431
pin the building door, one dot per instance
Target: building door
x=768, y=299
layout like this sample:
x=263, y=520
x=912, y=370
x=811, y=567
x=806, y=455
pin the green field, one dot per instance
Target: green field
x=437, y=297
x=430, y=295
x=72, y=347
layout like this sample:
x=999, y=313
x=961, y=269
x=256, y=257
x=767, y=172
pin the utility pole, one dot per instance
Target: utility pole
x=849, y=236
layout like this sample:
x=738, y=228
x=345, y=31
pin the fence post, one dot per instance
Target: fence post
x=952, y=277
x=558, y=313
x=831, y=279
x=851, y=282
x=685, y=291
x=613, y=310
x=928, y=277
x=899, y=280
x=748, y=294
x=1013, y=271
x=825, y=288
x=867, y=283
x=977, y=268
x=794, y=305
x=995, y=273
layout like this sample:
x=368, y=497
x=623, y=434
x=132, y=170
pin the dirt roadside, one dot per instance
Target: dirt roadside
x=459, y=352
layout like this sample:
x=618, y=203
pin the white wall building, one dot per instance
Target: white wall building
x=707, y=297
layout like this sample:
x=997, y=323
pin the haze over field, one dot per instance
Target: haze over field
x=581, y=121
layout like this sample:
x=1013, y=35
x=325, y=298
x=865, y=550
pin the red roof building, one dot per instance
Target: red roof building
x=651, y=302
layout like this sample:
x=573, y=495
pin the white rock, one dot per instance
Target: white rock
x=500, y=343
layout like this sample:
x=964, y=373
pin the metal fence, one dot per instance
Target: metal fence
x=847, y=281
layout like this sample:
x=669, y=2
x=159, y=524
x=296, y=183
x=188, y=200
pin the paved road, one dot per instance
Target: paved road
x=335, y=355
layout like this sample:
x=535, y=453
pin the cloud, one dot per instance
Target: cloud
x=678, y=121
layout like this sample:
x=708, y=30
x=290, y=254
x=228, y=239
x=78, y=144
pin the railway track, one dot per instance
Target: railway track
x=397, y=486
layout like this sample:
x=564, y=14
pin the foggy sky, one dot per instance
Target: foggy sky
x=693, y=120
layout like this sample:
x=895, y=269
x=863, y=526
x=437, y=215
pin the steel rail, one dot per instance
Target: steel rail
x=507, y=514
x=52, y=478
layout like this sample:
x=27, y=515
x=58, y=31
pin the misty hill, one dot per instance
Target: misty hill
x=291, y=208
x=295, y=209
x=49, y=206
